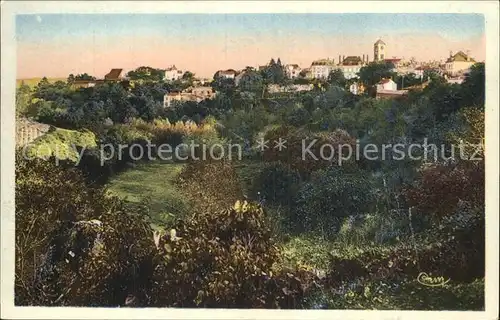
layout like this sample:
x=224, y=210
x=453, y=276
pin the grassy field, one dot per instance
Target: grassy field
x=152, y=184
x=32, y=82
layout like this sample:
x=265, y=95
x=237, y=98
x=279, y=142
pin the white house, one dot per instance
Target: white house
x=320, y=69
x=419, y=72
x=276, y=88
x=387, y=85
x=196, y=94
x=350, y=66
x=169, y=98
x=204, y=92
x=228, y=74
x=292, y=70
x=388, y=89
x=458, y=63
x=172, y=74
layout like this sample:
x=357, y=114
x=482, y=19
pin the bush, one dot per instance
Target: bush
x=331, y=195
x=441, y=187
x=210, y=185
x=225, y=259
x=75, y=245
x=453, y=249
x=277, y=184
x=407, y=294
x=297, y=141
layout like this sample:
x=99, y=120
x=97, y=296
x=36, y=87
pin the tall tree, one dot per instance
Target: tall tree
x=336, y=78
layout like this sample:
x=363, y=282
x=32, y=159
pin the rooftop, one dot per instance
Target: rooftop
x=323, y=62
x=460, y=56
x=352, y=61
x=113, y=74
x=384, y=81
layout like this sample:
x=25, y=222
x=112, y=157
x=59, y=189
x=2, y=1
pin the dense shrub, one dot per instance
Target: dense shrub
x=75, y=245
x=453, y=249
x=326, y=148
x=211, y=185
x=441, y=187
x=225, y=259
x=330, y=196
x=406, y=294
x=276, y=183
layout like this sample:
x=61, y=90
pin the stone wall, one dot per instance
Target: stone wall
x=27, y=131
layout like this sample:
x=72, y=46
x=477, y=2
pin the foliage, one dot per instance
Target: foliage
x=62, y=144
x=474, y=86
x=74, y=245
x=211, y=185
x=332, y=194
x=274, y=72
x=146, y=73
x=374, y=72
x=325, y=148
x=223, y=84
x=84, y=76
x=251, y=81
x=336, y=78
x=441, y=188
x=276, y=183
x=23, y=99
x=225, y=259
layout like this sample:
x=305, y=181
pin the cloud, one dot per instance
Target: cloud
x=39, y=19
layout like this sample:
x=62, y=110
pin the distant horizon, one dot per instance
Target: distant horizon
x=56, y=45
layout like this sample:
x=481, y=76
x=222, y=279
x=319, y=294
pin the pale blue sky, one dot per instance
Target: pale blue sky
x=46, y=27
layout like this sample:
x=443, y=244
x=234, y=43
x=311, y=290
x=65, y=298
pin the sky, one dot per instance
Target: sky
x=55, y=45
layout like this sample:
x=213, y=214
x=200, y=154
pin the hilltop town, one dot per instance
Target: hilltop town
x=405, y=74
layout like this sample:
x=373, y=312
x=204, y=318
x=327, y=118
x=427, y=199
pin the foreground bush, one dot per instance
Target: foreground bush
x=211, y=185
x=453, y=249
x=225, y=259
x=330, y=196
x=75, y=245
x=440, y=188
x=276, y=183
x=326, y=148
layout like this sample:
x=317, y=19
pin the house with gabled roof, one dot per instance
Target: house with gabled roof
x=458, y=63
x=173, y=74
x=292, y=70
x=229, y=73
x=387, y=89
x=350, y=66
x=320, y=69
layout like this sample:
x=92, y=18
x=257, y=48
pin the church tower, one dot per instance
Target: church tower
x=379, y=50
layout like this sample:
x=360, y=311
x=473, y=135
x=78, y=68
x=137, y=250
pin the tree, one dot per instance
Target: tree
x=251, y=81
x=474, y=86
x=336, y=78
x=147, y=74
x=223, y=84
x=84, y=76
x=407, y=80
x=274, y=72
x=375, y=71
x=71, y=78
x=23, y=99
x=331, y=195
x=188, y=75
